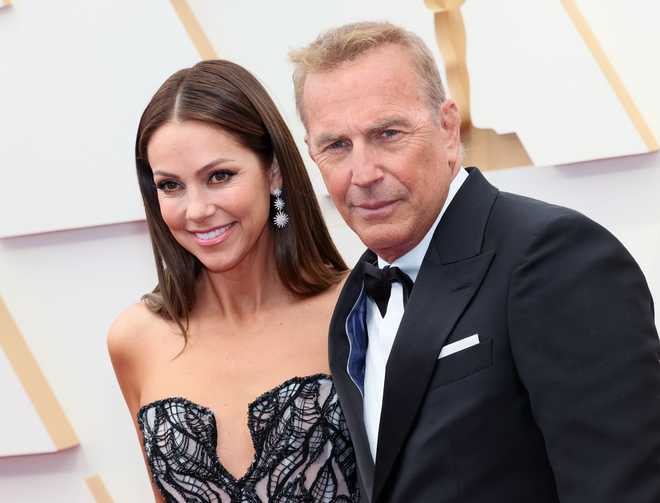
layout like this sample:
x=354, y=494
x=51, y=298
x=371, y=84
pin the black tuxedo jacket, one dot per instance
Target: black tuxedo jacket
x=560, y=400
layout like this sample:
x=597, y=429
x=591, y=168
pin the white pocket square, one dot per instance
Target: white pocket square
x=457, y=346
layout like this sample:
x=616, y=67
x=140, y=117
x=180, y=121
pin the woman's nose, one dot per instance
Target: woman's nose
x=199, y=207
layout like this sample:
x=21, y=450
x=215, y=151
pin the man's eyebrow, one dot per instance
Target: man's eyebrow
x=388, y=122
x=325, y=138
x=213, y=163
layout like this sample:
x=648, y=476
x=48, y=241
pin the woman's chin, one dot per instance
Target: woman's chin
x=218, y=266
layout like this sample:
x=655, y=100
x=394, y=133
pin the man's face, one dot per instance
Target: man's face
x=386, y=157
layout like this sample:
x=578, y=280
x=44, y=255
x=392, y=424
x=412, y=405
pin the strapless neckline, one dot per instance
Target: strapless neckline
x=213, y=447
x=251, y=405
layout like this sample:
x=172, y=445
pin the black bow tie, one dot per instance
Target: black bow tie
x=378, y=284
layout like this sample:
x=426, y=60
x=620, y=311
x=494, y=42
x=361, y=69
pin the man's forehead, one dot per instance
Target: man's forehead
x=360, y=111
x=363, y=111
x=360, y=80
x=381, y=71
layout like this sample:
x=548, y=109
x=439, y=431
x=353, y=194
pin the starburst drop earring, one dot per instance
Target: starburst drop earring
x=281, y=219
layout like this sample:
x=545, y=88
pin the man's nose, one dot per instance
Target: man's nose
x=200, y=207
x=366, y=166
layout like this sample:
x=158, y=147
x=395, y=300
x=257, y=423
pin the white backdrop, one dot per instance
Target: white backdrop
x=74, y=79
x=76, y=75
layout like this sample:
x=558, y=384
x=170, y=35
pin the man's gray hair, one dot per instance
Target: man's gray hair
x=347, y=42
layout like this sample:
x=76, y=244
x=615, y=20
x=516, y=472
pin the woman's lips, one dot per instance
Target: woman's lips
x=212, y=236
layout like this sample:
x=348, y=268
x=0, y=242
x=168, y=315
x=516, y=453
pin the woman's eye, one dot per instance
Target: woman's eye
x=220, y=176
x=167, y=186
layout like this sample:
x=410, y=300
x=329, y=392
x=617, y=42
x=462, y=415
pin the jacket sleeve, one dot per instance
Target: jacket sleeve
x=586, y=348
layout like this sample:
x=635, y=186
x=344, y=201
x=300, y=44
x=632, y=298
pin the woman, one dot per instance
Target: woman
x=224, y=365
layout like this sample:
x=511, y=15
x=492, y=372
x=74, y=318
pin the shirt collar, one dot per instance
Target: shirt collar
x=412, y=261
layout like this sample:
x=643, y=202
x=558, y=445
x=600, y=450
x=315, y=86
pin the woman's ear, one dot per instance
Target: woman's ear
x=275, y=176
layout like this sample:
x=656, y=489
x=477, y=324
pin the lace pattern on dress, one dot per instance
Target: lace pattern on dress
x=303, y=451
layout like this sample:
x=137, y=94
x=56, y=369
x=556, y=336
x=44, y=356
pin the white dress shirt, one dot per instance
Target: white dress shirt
x=382, y=331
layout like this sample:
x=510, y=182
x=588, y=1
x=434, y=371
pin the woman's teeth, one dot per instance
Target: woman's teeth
x=211, y=234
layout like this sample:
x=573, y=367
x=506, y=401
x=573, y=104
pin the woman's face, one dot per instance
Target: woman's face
x=214, y=193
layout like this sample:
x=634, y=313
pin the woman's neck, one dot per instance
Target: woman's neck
x=246, y=290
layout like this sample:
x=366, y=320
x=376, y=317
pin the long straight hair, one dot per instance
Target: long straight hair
x=225, y=95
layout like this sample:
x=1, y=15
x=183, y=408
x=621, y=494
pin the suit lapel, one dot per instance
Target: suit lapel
x=450, y=275
x=349, y=395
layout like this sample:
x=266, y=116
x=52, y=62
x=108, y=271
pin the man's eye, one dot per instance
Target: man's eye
x=167, y=186
x=389, y=133
x=337, y=145
x=220, y=176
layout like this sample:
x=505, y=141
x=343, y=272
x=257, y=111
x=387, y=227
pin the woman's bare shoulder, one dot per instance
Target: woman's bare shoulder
x=130, y=343
x=131, y=329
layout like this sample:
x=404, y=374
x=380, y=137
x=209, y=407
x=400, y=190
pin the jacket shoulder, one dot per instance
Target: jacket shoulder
x=528, y=212
x=525, y=216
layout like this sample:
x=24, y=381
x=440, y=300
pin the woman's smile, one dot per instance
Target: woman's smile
x=213, y=236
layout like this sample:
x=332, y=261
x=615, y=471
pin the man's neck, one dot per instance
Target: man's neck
x=409, y=258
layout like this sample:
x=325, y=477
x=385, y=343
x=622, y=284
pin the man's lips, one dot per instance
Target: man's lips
x=374, y=205
x=372, y=210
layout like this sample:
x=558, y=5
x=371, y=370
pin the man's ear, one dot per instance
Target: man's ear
x=450, y=120
x=275, y=176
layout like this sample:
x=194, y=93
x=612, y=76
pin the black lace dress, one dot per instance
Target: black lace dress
x=303, y=451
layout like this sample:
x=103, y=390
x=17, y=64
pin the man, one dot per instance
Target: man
x=487, y=347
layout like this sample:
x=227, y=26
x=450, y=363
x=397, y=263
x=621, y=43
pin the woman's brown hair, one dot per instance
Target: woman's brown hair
x=226, y=95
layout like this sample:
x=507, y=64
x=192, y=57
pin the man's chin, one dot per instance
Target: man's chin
x=385, y=244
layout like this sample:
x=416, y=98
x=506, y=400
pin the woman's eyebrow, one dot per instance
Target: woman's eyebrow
x=215, y=162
